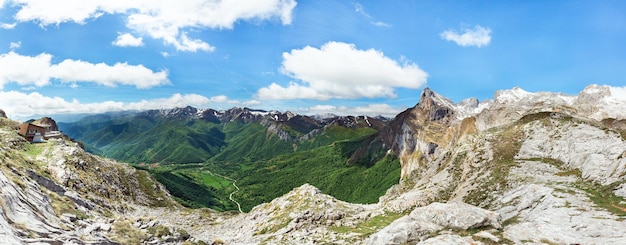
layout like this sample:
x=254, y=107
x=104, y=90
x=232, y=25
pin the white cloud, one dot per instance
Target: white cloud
x=190, y=45
x=165, y=20
x=128, y=40
x=7, y=25
x=479, y=36
x=38, y=71
x=22, y=105
x=368, y=110
x=381, y=24
x=14, y=45
x=359, y=9
x=339, y=70
x=110, y=76
x=25, y=70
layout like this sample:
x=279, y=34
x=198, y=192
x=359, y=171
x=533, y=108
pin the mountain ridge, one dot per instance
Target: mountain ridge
x=540, y=168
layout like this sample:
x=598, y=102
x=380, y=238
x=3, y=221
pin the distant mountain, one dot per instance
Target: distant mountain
x=190, y=135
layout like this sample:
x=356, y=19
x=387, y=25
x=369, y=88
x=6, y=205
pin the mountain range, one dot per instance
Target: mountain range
x=539, y=168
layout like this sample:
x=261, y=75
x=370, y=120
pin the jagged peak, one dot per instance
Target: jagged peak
x=440, y=106
x=511, y=95
x=429, y=97
x=595, y=89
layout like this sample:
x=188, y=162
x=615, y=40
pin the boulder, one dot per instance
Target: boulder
x=424, y=221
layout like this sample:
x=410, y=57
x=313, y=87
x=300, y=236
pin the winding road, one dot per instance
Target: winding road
x=232, y=193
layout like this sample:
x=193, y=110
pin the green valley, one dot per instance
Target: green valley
x=198, y=154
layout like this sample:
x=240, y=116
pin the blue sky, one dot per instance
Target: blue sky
x=311, y=57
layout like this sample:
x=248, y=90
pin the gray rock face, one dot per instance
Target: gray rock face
x=422, y=222
x=544, y=214
x=2, y=114
x=597, y=153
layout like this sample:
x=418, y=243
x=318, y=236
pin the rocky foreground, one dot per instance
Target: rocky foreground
x=535, y=168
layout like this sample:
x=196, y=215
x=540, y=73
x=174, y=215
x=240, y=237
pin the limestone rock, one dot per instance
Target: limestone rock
x=424, y=221
x=447, y=239
x=595, y=152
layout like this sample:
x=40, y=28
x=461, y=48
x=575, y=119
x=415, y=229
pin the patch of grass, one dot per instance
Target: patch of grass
x=34, y=150
x=548, y=241
x=511, y=221
x=554, y=162
x=125, y=233
x=505, y=146
x=369, y=226
x=160, y=230
x=604, y=197
x=274, y=228
x=573, y=172
x=62, y=204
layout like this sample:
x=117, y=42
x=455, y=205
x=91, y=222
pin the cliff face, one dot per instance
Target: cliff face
x=418, y=134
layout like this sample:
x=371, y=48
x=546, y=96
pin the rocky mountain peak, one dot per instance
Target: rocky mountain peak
x=511, y=95
x=469, y=103
x=438, y=107
x=181, y=113
x=602, y=102
x=595, y=89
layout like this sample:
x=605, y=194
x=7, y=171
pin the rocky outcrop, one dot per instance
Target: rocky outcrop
x=2, y=114
x=597, y=153
x=425, y=221
x=302, y=216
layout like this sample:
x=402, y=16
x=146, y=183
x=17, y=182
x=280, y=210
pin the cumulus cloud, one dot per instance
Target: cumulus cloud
x=128, y=40
x=165, y=20
x=368, y=110
x=479, y=36
x=22, y=105
x=14, y=45
x=38, y=71
x=340, y=70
